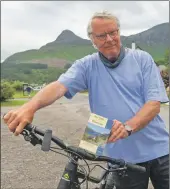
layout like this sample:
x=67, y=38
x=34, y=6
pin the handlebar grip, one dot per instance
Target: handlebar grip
x=46, y=140
x=29, y=127
x=137, y=168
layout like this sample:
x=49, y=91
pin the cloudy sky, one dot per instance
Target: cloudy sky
x=30, y=24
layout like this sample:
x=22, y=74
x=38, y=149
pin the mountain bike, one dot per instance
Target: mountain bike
x=74, y=174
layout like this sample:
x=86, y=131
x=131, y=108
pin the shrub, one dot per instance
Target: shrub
x=7, y=91
x=167, y=56
x=160, y=62
x=165, y=77
x=18, y=85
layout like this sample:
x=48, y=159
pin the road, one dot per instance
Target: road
x=24, y=166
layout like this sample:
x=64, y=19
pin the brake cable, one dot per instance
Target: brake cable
x=82, y=168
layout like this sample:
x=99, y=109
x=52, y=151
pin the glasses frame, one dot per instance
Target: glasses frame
x=103, y=36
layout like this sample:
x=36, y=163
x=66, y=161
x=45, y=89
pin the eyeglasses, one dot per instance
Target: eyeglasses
x=103, y=36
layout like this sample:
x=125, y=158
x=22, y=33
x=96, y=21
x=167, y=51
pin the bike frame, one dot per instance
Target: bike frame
x=70, y=176
x=69, y=179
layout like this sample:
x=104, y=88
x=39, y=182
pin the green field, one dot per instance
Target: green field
x=18, y=99
x=13, y=103
x=19, y=94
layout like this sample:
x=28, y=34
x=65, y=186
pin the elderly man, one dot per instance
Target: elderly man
x=124, y=85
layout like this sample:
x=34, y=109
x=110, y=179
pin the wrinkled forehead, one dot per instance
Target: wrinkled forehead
x=100, y=25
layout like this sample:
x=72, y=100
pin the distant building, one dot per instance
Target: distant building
x=134, y=46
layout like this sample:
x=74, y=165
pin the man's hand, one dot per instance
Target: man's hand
x=118, y=131
x=18, y=119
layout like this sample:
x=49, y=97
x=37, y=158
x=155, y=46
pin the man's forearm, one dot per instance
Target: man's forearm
x=144, y=116
x=46, y=96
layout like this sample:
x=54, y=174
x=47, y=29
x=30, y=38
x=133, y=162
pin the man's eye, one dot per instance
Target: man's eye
x=101, y=36
x=112, y=33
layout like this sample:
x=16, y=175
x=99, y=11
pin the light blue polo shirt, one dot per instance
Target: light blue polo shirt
x=120, y=93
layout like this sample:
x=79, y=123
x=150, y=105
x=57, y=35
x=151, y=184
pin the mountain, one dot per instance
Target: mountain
x=156, y=35
x=154, y=40
x=97, y=132
x=68, y=47
x=67, y=37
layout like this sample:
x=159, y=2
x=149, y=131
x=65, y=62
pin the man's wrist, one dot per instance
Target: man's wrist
x=134, y=123
x=128, y=128
x=31, y=106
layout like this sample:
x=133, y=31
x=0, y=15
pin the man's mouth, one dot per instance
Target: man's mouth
x=111, y=46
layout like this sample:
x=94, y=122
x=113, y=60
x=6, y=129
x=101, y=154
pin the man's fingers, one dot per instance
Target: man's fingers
x=117, y=132
x=6, y=117
x=12, y=126
x=114, y=134
x=121, y=135
x=116, y=125
x=16, y=120
x=11, y=118
x=20, y=128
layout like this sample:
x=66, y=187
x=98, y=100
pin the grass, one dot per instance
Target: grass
x=13, y=103
x=19, y=94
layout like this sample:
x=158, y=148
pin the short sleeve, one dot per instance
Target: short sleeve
x=74, y=79
x=154, y=88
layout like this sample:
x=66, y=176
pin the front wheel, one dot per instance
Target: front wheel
x=110, y=182
x=107, y=183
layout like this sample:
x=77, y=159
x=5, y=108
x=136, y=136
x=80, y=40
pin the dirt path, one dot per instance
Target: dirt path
x=26, y=167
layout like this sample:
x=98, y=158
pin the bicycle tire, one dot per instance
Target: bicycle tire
x=110, y=182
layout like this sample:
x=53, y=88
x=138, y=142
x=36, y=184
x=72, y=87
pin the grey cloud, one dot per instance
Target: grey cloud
x=31, y=24
x=118, y=6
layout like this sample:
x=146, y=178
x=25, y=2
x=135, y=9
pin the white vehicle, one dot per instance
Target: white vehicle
x=37, y=88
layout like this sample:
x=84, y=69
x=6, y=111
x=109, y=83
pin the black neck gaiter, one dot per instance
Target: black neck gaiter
x=110, y=64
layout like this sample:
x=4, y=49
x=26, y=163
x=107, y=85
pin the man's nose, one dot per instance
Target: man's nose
x=108, y=38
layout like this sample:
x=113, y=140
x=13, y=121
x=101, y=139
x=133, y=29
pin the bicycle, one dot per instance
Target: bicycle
x=73, y=172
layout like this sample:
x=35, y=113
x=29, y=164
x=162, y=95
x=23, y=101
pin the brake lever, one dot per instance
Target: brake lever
x=35, y=139
x=31, y=137
x=26, y=135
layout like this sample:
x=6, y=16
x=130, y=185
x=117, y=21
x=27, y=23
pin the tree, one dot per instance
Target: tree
x=7, y=91
x=160, y=62
x=167, y=56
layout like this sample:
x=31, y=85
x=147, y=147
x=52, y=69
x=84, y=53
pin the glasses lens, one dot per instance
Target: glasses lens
x=101, y=37
x=113, y=33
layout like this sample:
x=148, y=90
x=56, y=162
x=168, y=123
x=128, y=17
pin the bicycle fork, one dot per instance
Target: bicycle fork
x=69, y=178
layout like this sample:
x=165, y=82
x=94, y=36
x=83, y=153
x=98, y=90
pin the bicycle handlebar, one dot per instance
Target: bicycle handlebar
x=84, y=153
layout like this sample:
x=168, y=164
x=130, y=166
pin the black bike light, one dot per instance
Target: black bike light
x=46, y=141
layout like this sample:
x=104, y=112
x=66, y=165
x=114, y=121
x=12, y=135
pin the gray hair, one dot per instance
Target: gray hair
x=104, y=15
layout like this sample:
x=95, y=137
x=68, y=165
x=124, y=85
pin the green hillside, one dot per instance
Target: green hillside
x=58, y=55
x=72, y=52
x=30, y=73
x=157, y=51
x=70, y=47
x=66, y=52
